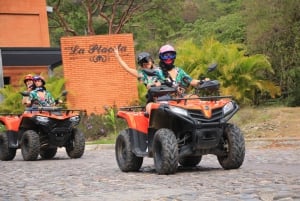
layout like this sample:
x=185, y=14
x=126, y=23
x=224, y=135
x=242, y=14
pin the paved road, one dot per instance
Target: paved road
x=267, y=174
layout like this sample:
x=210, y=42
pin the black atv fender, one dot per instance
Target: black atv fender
x=12, y=139
x=139, y=142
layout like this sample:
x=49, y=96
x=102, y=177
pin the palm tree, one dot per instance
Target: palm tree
x=12, y=102
x=240, y=75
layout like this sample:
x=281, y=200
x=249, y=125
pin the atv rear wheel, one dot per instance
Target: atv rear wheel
x=6, y=153
x=48, y=153
x=30, y=145
x=234, y=146
x=190, y=161
x=126, y=159
x=75, y=148
x=165, y=151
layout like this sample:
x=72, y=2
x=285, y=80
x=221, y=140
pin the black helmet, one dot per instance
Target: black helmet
x=144, y=57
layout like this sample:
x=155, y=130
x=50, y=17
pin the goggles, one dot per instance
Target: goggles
x=168, y=56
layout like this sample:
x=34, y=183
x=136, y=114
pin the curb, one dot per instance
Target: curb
x=272, y=142
x=250, y=143
x=94, y=147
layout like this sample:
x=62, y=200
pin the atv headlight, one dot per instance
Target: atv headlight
x=42, y=119
x=228, y=108
x=179, y=110
x=75, y=119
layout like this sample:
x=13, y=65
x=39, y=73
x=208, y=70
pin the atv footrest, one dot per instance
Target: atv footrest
x=140, y=153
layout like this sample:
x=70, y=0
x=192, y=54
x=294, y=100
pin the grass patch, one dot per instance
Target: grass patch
x=248, y=115
x=111, y=139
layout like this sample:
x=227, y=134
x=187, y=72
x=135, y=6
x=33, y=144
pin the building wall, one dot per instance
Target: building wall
x=16, y=73
x=93, y=76
x=23, y=23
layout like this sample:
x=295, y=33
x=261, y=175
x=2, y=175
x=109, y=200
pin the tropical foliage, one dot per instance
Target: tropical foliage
x=12, y=100
x=273, y=29
x=240, y=75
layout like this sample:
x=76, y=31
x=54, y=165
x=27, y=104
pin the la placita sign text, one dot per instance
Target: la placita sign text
x=96, y=52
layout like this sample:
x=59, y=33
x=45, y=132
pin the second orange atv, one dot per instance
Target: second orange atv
x=181, y=131
x=40, y=131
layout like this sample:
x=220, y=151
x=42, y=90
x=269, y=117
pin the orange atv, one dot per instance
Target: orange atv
x=40, y=131
x=181, y=130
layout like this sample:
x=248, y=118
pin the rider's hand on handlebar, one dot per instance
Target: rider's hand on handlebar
x=155, y=84
x=58, y=101
x=168, y=83
x=203, y=80
x=180, y=91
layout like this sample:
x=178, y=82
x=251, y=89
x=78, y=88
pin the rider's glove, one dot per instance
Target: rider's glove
x=168, y=83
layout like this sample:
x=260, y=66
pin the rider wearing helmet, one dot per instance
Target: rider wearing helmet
x=144, y=57
x=40, y=96
x=175, y=76
x=28, y=81
x=146, y=73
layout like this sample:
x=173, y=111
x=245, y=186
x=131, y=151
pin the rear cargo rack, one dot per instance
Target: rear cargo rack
x=132, y=108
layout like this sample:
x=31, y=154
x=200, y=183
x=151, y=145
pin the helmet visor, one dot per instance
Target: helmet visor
x=168, y=55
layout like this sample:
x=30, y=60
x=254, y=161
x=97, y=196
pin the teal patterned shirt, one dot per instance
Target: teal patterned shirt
x=35, y=99
x=179, y=80
x=150, y=79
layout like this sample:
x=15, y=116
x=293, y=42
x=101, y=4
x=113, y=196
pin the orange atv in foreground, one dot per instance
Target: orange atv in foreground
x=181, y=130
x=40, y=131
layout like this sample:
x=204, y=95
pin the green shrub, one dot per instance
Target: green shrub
x=2, y=127
x=97, y=126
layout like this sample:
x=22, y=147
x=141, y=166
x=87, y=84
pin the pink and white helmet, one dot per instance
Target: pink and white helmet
x=166, y=48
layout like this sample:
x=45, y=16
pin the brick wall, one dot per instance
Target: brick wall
x=23, y=23
x=94, y=78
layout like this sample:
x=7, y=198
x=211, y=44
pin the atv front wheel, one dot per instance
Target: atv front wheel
x=165, y=151
x=126, y=159
x=190, y=161
x=30, y=145
x=48, y=153
x=234, y=147
x=75, y=148
x=6, y=153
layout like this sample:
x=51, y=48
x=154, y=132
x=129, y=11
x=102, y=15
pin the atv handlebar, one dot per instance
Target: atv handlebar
x=24, y=93
x=209, y=84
